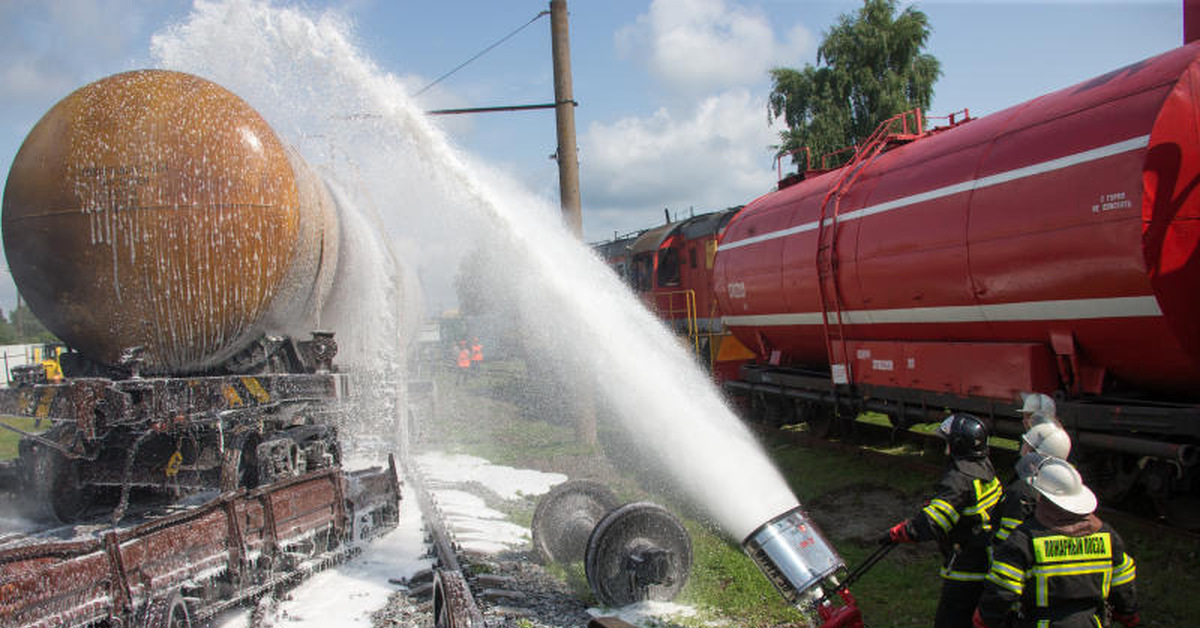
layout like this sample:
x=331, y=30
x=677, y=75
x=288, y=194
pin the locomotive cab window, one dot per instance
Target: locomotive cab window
x=668, y=267
x=642, y=274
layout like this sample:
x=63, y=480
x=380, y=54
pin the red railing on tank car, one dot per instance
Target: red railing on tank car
x=911, y=126
x=953, y=118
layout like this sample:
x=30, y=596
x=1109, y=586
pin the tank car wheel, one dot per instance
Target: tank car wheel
x=239, y=466
x=820, y=420
x=58, y=493
x=450, y=593
x=168, y=611
x=278, y=458
x=318, y=447
x=769, y=409
x=1177, y=499
x=638, y=552
x=1112, y=475
x=566, y=516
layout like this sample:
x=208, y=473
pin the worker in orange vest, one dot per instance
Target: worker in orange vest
x=476, y=355
x=464, y=360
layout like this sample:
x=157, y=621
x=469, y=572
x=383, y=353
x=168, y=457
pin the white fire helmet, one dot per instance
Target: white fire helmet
x=1060, y=483
x=1028, y=465
x=1048, y=439
x=1038, y=403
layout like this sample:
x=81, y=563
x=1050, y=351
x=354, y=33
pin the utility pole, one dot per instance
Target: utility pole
x=568, y=184
x=564, y=110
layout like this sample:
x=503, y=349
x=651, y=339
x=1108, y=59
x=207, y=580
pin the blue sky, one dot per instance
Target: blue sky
x=671, y=93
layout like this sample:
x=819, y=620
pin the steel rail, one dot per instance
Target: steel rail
x=453, y=604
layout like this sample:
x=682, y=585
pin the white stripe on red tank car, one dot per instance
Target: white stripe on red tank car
x=1072, y=309
x=957, y=188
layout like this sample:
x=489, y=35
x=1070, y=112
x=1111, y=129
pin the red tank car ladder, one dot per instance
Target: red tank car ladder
x=903, y=127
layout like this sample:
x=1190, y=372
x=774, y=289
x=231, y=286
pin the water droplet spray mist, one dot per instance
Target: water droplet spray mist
x=356, y=124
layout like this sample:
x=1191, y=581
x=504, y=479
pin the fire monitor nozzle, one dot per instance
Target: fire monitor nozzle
x=796, y=558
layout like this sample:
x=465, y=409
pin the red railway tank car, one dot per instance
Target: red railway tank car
x=1050, y=245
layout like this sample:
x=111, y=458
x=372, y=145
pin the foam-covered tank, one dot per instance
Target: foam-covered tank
x=158, y=209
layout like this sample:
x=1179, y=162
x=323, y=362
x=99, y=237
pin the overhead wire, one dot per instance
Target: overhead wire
x=480, y=53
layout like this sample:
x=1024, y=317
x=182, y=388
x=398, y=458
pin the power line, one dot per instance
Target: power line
x=480, y=54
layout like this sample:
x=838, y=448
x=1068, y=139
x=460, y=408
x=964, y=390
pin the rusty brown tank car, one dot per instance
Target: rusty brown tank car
x=157, y=209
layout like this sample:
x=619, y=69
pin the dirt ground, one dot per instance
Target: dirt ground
x=858, y=512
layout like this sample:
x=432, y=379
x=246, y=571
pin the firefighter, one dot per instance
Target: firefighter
x=1037, y=408
x=476, y=355
x=959, y=518
x=1045, y=440
x=1063, y=567
x=464, y=361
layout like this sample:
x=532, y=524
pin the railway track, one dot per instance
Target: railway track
x=484, y=572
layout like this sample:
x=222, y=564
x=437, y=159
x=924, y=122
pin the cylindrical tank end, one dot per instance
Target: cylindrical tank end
x=793, y=554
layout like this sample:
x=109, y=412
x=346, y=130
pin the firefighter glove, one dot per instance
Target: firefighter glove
x=1129, y=621
x=897, y=534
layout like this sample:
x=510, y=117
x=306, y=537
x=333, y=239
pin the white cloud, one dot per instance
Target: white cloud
x=706, y=45
x=716, y=156
x=709, y=147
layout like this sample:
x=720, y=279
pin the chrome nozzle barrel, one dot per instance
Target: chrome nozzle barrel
x=794, y=555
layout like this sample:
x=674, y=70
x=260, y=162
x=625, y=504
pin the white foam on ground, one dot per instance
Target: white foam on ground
x=506, y=482
x=347, y=594
x=646, y=614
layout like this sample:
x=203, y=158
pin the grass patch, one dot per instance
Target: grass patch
x=9, y=438
x=725, y=584
x=812, y=473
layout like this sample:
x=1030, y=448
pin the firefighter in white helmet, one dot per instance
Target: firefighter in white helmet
x=959, y=517
x=1063, y=567
x=1037, y=408
x=1042, y=441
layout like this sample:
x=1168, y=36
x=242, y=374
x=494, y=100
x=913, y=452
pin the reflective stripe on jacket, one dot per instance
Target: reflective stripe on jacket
x=1057, y=580
x=959, y=518
x=1015, y=507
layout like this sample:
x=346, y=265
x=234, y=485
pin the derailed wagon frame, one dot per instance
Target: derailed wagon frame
x=191, y=565
x=172, y=434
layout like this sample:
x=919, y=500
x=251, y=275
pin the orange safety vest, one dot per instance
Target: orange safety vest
x=464, y=358
x=477, y=353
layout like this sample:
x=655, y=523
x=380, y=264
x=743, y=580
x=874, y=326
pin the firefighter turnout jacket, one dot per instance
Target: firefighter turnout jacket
x=959, y=518
x=1056, y=580
x=1015, y=507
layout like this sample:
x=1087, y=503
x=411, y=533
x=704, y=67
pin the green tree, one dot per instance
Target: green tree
x=870, y=68
x=8, y=336
x=27, y=326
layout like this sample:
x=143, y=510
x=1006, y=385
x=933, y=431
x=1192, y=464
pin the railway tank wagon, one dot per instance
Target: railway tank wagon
x=1049, y=247
x=156, y=223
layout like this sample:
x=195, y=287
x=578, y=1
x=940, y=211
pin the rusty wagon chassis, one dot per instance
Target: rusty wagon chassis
x=188, y=566
x=256, y=456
